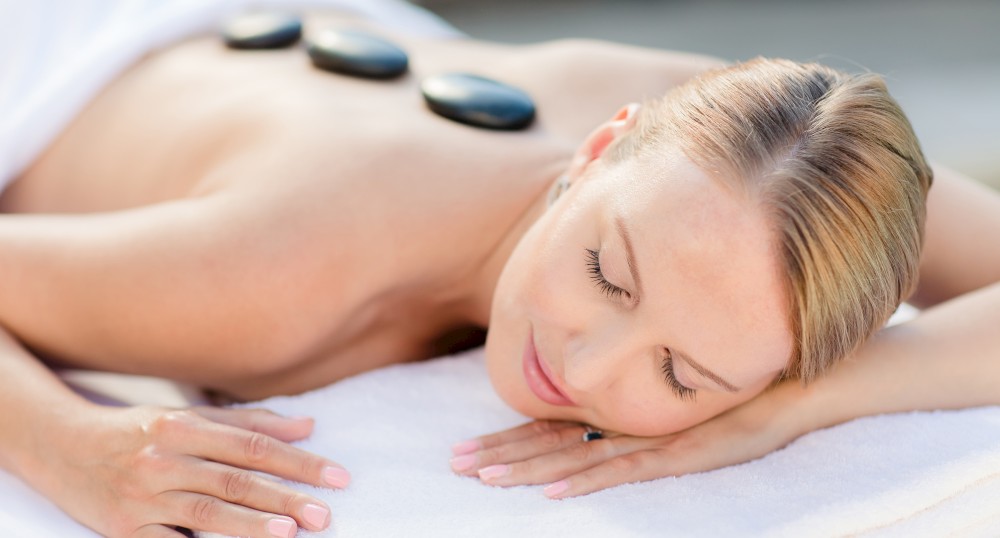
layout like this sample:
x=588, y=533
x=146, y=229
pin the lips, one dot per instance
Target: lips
x=539, y=378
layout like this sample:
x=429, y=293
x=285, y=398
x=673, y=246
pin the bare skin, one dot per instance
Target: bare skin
x=301, y=141
x=295, y=243
x=266, y=240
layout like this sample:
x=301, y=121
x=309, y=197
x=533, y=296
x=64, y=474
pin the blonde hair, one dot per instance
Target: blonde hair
x=840, y=173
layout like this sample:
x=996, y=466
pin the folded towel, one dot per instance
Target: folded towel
x=922, y=473
x=911, y=474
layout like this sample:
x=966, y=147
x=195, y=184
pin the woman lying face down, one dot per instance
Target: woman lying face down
x=699, y=257
x=758, y=223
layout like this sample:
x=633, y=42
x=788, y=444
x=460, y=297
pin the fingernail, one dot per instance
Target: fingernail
x=336, y=477
x=316, y=515
x=554, y=489
x=494, y=471
x=299, y=417
x=466, y=447
x=281, y=528
x=463, y=463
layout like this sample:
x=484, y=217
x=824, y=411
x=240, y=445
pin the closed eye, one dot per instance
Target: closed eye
x=609, y=289
x=683, y=392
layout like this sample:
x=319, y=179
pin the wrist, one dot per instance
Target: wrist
x=797, y=409
x=50, y=437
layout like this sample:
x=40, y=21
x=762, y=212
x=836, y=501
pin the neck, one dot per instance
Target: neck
x=478, y=297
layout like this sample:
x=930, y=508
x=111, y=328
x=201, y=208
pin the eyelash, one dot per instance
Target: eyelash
x=614, y=292
x=682, y=392
x=594, y=266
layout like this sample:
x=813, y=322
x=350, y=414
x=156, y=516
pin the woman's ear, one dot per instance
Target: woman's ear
x=600, y=138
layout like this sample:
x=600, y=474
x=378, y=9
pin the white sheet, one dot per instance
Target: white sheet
x=912, y=475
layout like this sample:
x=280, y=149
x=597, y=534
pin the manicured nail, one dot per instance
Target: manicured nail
x=463, y=462
x=336, y=477
x=280, y=527
x=316, y=515
x=554, y=489
x=494, y=471
x=466, y=447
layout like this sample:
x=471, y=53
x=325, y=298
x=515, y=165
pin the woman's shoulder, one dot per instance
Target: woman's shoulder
x=608, y=62
x=579, y=83
x=605, y=54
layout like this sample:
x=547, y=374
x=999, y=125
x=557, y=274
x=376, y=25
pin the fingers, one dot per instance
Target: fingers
x=553, y=466
x=260, y=420
x=210, y=514
x=556, y=454
x=524, y=431
x=249, y=450
x=637, y=466
x=242, y=487
x=546, y=439
x=156, y=531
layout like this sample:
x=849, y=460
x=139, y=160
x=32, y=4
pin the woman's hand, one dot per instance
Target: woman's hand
x=554, y=453
x=139, y=472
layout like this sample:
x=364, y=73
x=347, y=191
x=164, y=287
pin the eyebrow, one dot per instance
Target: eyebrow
x=706, y=372
x=630, y=260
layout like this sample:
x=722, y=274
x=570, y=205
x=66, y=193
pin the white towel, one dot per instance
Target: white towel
x=912, y=474
x=922, y=474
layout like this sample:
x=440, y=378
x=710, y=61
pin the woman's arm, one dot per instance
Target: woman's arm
x=961, y=252
x=30, y=398
x=197, y=289
x=79, y=287
x=134, y=471
x=150, y=289
x=946, y=358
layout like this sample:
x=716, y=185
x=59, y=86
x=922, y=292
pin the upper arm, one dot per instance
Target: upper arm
x=962, y=242
x=188, y=288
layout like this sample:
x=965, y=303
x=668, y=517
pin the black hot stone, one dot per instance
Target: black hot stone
x=478, y=101
x=357, y=53
x=262, y=31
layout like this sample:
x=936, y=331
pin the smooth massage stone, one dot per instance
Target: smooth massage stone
x=262, y=31
x=358, y=54
x=478, y=101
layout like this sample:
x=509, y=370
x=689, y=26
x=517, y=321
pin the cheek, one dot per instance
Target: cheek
x=538, y=282
x=668, y=419
x=512, y=310
x=652, y=410
x=641, y=403
x=533, y=290
x=506, y=328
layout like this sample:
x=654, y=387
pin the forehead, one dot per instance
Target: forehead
x=709, y=265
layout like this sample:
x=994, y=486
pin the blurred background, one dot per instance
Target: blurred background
x=941, y=59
